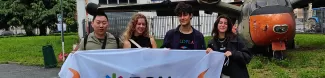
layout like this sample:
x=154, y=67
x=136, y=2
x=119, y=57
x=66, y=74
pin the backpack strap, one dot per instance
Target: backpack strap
x=85, y=41
x=104, y=43
x=117, y=42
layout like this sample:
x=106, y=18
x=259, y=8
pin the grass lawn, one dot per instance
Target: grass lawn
x=28, y=50
x=307, y=61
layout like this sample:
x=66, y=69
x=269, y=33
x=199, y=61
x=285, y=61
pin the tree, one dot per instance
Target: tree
x=5, y=14
x=33, y=14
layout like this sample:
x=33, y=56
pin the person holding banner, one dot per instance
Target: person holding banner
x=184, y=37
x=137, y=35
x=233, y=47
x=99, y=38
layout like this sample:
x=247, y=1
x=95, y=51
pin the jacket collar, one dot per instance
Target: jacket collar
x=95, y=39
x=231, y=39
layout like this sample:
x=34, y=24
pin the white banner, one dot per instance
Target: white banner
x=143, y=63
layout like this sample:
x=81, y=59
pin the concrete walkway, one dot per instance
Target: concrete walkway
x=19, y=71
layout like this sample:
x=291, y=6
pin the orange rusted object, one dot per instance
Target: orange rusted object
x=277, y=46
x=263, y=28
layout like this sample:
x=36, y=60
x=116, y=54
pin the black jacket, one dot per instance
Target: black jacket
x=240, y=57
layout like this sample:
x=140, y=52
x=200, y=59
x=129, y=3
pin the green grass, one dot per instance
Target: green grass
x=310, y=40
x=299, y=63
x=28, y=50
x=307, y=61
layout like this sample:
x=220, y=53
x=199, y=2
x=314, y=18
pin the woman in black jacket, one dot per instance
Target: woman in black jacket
x=237, y=54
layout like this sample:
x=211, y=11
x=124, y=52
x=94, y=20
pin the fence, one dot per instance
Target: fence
x=302, y=27
x=159, y=25
x=305, y=24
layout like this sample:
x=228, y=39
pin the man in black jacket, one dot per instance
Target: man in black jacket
x=184, y=37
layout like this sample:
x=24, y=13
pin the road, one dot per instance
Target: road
x=19, y=71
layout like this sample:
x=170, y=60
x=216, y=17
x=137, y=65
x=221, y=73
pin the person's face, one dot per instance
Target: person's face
x=234, y=29
x=222, y=25
x=185, y=19
x=140, y=26
x=100, y=25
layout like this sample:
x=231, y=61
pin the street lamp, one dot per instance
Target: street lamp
x=62, y=37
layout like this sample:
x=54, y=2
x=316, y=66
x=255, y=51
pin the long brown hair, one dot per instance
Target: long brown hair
x=215, y=31
x=131, y=26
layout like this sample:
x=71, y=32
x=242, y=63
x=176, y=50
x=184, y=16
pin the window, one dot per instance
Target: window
x=123, y=1
x=314, y=13
x=133, y=1
x=117, y=1
x=102, y=1
x=112, y=1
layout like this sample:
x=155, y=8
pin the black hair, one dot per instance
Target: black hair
x=228, y=33
x=100, y=13
x=181, y=7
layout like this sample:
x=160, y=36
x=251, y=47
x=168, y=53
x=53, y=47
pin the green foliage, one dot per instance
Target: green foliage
x=72, y=25
x=33, y=14
x=159, y=42
x=5, y=14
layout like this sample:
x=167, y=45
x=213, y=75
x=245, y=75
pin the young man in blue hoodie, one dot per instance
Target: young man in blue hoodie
x=184, y=37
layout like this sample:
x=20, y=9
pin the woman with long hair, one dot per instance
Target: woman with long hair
x=137, y=35
x=233, y=47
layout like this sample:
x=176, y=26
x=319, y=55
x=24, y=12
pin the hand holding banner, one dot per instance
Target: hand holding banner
x=143, y=63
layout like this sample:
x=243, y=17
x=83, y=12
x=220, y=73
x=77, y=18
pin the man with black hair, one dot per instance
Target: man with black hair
x=99, y=38
x=184, y=36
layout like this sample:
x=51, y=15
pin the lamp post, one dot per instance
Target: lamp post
x=62, y=37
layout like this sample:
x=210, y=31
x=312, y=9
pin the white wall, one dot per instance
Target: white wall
x=81, y=15
x=81, y=4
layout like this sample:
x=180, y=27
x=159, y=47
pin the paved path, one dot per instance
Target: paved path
x=19, y=71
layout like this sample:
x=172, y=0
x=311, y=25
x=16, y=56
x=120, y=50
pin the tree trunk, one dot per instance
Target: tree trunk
x=29, y=31
x=7, y=28
x=42, y=30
